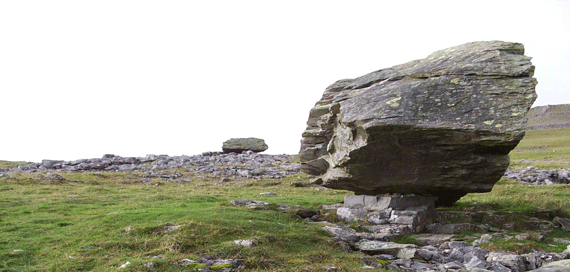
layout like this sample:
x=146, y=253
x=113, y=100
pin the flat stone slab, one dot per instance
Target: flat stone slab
x=238, y=145
x=432, y=239
x=402, y=251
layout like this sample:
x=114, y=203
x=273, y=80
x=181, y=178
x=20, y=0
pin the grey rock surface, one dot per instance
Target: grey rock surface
x=562, y=265
x=401, y=251
x=533, y=176
x=238, y=145
x=412, y=211
x=440, y=126
x=249, y=165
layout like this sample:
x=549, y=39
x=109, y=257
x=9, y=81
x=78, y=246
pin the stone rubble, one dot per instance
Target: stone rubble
x=245, y=165
x=439, y=252
x=533, y=176
x=435, y=247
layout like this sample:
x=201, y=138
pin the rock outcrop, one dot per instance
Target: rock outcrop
x=238, y=145
x=441, y=126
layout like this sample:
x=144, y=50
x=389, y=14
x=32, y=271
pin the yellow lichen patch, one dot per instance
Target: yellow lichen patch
x=489, y=122
x=451, y=105
x=498, y=125
x=455, y=81
x=394, y=102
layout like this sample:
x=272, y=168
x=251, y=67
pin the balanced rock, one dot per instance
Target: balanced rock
x=238, y=145
x=440, y=126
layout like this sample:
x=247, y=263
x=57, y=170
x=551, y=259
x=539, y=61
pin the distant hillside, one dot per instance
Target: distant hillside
x=551, y=116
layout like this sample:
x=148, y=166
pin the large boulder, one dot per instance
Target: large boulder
x=239, y=145
x=440, y=126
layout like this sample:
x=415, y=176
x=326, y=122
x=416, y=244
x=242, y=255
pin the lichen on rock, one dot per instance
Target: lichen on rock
x=441, y=126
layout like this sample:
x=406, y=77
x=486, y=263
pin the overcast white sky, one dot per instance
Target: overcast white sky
x=80, y=79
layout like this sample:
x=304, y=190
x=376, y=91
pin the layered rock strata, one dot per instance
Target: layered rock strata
x=408, y=213
x=441, y=126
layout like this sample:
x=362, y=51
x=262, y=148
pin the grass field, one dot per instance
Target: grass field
x=545, y=149
x=79, y=224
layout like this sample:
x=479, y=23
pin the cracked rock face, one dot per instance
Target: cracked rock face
x=440, y=126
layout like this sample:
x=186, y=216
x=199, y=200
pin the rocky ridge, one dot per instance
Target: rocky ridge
x=239, y=145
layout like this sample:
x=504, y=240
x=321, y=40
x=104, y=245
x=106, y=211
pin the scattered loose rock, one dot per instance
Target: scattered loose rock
x=269, y=194
x=383, y=218
x=533, y=176
x=433, y=252
x=245, y=165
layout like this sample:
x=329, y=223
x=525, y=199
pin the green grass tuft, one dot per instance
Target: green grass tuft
x=406, y=239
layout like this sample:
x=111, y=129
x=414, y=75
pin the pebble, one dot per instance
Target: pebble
x=125, y=264
x=269, y=194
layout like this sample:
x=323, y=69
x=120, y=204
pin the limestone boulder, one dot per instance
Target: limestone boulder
x=238, y=145
x=441, y=126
